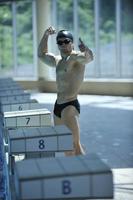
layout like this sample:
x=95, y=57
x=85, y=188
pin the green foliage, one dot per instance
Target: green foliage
x=86, y=21
x=5, y=37
x=24, y=34
x=25, y=54
x=127, y=15
x=107, y=34
x=65, y=14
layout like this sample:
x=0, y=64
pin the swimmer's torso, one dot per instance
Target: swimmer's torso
x=69, y=73
x=69, y=77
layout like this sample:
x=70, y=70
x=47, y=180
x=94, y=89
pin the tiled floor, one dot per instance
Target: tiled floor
x=106, y=129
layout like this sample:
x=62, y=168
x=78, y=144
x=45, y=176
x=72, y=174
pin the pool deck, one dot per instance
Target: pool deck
x=106, y=124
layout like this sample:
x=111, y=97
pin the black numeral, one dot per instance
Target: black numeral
x=41, y=144
x=28, y=119
x=20, y=108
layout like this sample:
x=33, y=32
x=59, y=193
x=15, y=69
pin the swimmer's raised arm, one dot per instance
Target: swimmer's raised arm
x=86, y=54
x=43, y=54
x=43, y=46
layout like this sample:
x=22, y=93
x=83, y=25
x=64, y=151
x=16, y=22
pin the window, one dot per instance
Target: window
x=86, y=30
x=65, y=14
x=106, y=27
x=107, y=38
x=6, y=43
x=18, y=55
x=127, y=38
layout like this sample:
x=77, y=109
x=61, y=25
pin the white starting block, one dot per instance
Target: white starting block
x=41, y=139
x=75, y=177
x=27, y=118
x=13, y=85
x=14, y=101
x=22, y=106
x=8, y=83
x=11, y=91
x=38, y=142
x=14, y=97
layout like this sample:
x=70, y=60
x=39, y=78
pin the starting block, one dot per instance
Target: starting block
x=14, y=97
x=27, y=118
x=10, y=87
x=41, y=139
x=11, y=91
x=8, y=83
x=14, y=101
x=38, y=142
x=22, y=106
x=75, y=177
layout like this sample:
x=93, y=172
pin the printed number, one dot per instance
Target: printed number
x=66, y=189
x=41, y=144
x=28, y=119
x=20, y=108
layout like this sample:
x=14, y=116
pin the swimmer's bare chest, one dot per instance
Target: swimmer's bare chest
x=69, y=76
x=65, y=69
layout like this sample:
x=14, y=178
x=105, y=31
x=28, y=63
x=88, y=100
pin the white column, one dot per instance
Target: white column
x=75, y=19
x=97, y=46
x=118, y=38
x=43, y=21
x=14, y=38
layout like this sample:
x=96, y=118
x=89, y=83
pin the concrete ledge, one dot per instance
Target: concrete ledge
x=113, y=87
x=116, y=87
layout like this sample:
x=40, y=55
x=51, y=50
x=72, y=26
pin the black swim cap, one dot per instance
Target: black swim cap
x=64, y=34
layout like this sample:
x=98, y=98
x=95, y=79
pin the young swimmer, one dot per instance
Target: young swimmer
x=70, y=67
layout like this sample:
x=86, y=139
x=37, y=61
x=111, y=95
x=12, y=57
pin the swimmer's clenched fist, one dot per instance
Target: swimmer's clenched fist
x=50, y=31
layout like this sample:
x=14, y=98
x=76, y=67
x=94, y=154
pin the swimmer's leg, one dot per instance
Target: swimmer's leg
x=70, y=117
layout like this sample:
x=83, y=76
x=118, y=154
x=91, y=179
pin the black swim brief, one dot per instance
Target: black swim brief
x=59, y=107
